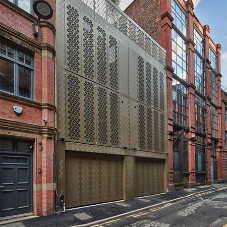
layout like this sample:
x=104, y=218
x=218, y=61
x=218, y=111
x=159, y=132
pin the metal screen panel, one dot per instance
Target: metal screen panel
x=156, y=131
x=150, y=129
x=155, y=88
x=142, y=127
x=124, y=122
x=93, y=178
x=141, y=81
x=133, y=108
x=149, y=176
x=133, y=74
x=149, y=95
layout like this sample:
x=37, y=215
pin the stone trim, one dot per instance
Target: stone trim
x=10, y=31
x=167, y=14
x=18, y=10
x=43, y=187
x=26, y=127
x=27, y=102
x=44, y=23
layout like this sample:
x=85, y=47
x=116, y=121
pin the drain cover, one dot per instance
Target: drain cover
x=82, y=216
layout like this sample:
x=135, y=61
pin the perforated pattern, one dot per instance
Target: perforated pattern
x=141, y=79
x=89, y=114
x=148, y=45
x=102, y=115
x=101, y=56
x=113, y=66
x=123, y=25
x=162, y=133
x=199, y=148
x=88, y=48
x=74, y=107
x=162, y=92
x=141, y=127
x=148, y=84
x=73, y=60
x=132, y=32
x=156, y=131
x=155, y=87
x=149, y=129
x=114, y=137
x=140, y=38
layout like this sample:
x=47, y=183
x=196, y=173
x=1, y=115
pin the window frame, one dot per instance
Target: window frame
x=213, y=89
x=212, y=122
x=15, y=2
x=200, y=115
x=212, y=59
x=16, y=64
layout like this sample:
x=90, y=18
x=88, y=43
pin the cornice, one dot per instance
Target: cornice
x=26, y=127
x=18, y=10
x=26, y=102
x=10, y=31
x=168, y=15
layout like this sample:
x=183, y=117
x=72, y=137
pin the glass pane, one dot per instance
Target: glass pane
x=6, y=76
x=25, y=5
x=2, y=49
x=10, y=52
x=21, y=57
x=24, y=147
x=27, y=60
x=24, y=82
x=6, y=145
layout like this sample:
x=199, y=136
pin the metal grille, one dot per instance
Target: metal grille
x=141, y=127
x=73, y=45
x=74, y=85
x=101, y=56
x=162, y=133
x=199, y=148
x=149, y=128
x=102, y=115
x=156, y=132
x=89, y=112
x=148, y=84
x=114, y=113
x=155, y=87
x=113, y=66
x=162, y=92
x=141, y=79
x=88, y=48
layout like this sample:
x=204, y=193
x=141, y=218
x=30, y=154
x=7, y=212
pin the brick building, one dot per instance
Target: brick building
x=224, y=133
x=27, y=96
x=193, y=87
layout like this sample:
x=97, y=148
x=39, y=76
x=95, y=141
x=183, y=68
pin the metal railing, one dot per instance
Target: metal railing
x=114, y=16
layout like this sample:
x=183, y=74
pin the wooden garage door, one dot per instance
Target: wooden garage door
x=92, y=178
x=149, y=176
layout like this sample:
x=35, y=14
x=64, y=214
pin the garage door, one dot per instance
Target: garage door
x=92, y=178
x=149, y=176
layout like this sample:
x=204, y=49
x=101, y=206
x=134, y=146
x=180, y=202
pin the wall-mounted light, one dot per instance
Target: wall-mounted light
x=44, y=11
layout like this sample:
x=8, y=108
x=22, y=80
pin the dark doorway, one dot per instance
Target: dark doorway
x=15, y=177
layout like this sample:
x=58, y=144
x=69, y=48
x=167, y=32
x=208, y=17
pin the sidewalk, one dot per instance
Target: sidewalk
x=82, y=216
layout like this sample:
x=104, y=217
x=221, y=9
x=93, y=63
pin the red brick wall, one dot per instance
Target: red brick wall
x=224, y=129
x=147, y=14
x=44, y=92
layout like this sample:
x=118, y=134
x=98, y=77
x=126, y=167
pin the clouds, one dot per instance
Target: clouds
x=196, y=2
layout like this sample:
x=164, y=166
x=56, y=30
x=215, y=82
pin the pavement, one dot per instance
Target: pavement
x=103, y=213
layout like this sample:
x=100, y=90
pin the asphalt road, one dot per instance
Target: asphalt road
x=200, y=211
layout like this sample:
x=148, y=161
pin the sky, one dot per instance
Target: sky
x=214, y=13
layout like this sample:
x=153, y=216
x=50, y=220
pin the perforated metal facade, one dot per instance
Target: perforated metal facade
x=111, y=83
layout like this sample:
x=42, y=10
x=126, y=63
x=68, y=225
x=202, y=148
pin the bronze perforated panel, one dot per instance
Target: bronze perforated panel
x=92, y=178
x=149, y=176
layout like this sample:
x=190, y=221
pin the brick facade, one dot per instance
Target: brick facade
x=162, y=19
x=17, y=29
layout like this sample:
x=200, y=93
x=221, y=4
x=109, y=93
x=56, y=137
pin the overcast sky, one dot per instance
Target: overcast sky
x=214, y=13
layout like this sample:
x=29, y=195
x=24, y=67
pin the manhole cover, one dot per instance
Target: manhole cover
x=123, y=204
x=82, y=216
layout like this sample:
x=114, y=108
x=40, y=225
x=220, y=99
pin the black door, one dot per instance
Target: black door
x=15, y=182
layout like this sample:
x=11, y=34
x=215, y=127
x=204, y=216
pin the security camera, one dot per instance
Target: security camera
x=45, y=121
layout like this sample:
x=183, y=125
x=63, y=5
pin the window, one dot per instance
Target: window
x=179, y=61
x=214, y=122
x=225, y=114
x=199, y=79
x=213, y=87
x=200, y=157
x=16, y=71
x=179, y=103
x=179, y=18
x=200, y=111
x=225, y=138
x=199, y=44
x=26, y=5
x=212, y=57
